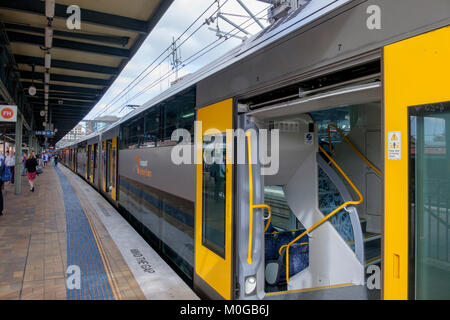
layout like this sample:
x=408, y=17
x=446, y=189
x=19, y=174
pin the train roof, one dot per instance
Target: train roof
x=298, y=19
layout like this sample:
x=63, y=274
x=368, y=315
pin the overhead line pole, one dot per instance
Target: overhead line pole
x=233, y=24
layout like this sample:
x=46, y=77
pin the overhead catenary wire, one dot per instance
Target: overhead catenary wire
x=187, y=62
x=141, y=75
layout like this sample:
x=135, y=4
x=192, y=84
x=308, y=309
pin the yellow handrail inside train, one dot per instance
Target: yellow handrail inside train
x=326, y=217
x=351, y=145
x=250, y=201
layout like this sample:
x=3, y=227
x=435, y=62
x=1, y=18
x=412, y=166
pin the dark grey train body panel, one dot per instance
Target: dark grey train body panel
x=93, y=140
x=337, y=36
x=111, y=133
x=178, y=180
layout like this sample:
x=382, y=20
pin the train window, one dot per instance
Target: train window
x=214, y=186
x=186, y=116
x=179, y=114
x=429, y=198
x=341, y=117
x=170, y=119
x=152, y=131
x=125, y=136
x=133, y=134
x=137, y=132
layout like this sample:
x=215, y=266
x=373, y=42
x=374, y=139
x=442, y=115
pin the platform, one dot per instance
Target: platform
x=66, y=232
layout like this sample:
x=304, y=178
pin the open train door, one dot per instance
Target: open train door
x=417, y=170
x=213, y=227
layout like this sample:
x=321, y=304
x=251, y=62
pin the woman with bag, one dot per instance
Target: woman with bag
x=31, y=165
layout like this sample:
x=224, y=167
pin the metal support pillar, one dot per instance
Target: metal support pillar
x=18, y=155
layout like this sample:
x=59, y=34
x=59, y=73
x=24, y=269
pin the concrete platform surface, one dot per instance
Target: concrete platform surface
x=65, y=241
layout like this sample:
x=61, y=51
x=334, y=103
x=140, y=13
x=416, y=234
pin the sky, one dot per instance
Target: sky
x=177, y=19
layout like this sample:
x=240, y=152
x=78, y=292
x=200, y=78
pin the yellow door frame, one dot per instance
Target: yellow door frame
x=113, y=168
x=86, y=169
x=104, y=155
x=215, y=270
x=416, y=72
x=91, y=163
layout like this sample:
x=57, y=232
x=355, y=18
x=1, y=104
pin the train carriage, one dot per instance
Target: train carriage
x=330, y=176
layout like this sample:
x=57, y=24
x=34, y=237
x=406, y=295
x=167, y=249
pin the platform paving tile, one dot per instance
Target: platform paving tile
x=33, y=244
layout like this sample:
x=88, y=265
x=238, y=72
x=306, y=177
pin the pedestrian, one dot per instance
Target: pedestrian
x=45, y=159
x=55, y=159
x=31, y=165
x=24, y=159
x=10, y=162
x=2, y=170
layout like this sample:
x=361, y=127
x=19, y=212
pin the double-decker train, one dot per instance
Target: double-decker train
x=330, y=175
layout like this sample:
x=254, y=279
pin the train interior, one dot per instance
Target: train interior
x=326, y=197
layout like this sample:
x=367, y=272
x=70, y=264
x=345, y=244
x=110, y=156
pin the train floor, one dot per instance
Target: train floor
x=65, y=241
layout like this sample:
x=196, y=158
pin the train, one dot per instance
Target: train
x=308, y=162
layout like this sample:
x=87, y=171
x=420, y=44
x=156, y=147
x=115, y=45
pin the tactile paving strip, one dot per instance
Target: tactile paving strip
x=82, y=250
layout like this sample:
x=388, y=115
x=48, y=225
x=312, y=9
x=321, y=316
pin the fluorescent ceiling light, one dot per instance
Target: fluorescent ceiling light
x=50, y=8
x=48, y=37
x=48, y=60
x=32, y=90
x=188, y=115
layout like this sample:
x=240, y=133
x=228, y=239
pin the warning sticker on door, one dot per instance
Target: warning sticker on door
x=394, y=145
x=309, y=138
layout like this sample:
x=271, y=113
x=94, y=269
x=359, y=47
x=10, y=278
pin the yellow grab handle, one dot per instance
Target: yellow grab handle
x=250, y=200
x=351, y=145
x=326, y=217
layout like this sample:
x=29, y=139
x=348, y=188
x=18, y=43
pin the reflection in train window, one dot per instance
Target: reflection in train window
x=152, y=131
x=170, y=119
x=214, y=186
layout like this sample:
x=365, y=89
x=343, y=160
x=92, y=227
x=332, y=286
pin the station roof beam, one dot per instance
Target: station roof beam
x=79, y=65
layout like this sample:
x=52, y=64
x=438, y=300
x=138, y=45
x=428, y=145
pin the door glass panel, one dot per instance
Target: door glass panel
x=430, y=198
x=214, y=186
x=108, y=166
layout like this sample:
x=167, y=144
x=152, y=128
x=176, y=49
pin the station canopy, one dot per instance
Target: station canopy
x=84, y=62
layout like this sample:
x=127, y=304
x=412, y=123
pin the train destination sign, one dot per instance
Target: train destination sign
x=8, y=113
x=41, y=133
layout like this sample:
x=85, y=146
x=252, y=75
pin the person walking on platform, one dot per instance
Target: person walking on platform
x=24, y=159
x=2, y=171
x=10, y=162
x=44, y=159
x=31, y=165
x=55, y=159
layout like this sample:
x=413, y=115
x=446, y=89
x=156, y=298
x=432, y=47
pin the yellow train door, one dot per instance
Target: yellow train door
x=417, y=167
x=87, y=168
x=93, y=156
x=105, y=166
x=213, y=228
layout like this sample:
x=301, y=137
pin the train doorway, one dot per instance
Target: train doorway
x=110, y=167
x=325, y=232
